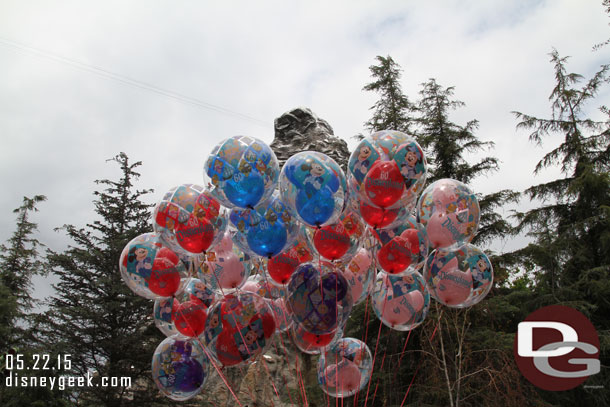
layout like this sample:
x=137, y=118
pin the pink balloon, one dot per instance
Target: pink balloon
x=345, y=375
x=404, y=309
x=225, y=245
x=453, y=286
x=439, y=234
x=229, y=269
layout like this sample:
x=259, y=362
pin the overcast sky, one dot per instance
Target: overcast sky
x=69, y=100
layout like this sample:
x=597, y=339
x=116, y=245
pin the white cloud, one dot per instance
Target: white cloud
x=60, y=123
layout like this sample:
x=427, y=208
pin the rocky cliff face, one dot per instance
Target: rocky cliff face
x=280, y=368
x=301, y=130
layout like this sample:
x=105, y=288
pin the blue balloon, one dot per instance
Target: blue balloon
x=315, y=208
x=244, y=191
x=264, y=230
x=267, y=239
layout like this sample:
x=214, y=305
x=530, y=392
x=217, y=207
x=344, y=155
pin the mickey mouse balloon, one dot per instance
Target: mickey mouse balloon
x=241, y=172
x=313, y=186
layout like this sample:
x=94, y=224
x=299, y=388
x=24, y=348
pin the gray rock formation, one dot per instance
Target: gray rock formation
x=301, y=130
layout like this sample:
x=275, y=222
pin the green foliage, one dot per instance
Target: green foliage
x=94, y=317
x=570, y=252
x=393, y=110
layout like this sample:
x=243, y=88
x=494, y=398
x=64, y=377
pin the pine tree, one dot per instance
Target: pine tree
x=570, y=254
x=19, y=262
x=393, y=110
x=94, y=317
x=447, y=145
x=458, y=364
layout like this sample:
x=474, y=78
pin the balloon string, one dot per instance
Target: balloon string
x=279, y=334
x=366, y=323
x=375, y=355
x=419, y=363
x=270, y=378
x=300, y=380
x=381, y=369
x=213, y=363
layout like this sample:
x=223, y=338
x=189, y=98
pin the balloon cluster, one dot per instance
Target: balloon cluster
x=256, y=252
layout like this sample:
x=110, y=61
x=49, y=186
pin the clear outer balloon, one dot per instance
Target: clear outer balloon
x=185, y=313
x=225, y=271
x=281, y=266
x=313, y=187
x=360, y=274
x=388, y=168
x=189, y=219
x=449, y=211
x=402, y=252
x=163, y=313
x=460, y=277
x=241, y=172
x=313, y=344
x=319, y=299
x=239, y=328
x=265, y=230
x=345, y=368
x=401, y=302
x=375, y=216
x=150, y=268
x=338, y=241
x=180, y=368
x=274, y=295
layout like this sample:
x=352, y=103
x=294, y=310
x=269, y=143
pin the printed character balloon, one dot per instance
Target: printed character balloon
x=404, y=252
x=239, y=328
x=150, y=268
x=460, y=277
x=340, y=240
x=281, y=266
x=401, y=302
x=227, y=270
x=319, y=299
x=189, y=219
x=265, y=230
x=241, y=172
x=274, y=295
x=180, y=368
x=449, y=212
x=163, y=314
x=313, y=187
x=387, y=168
x=313, y=344
x=345, y=368
x=360, y=274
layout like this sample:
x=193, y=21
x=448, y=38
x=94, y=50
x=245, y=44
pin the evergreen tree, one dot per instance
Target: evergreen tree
x=570, y=254
x=447, y=144
x=393, y=110
x=459, y=364
x=19, y=261
x=94, y=317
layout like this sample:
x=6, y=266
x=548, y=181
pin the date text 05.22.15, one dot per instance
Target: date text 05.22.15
x=37, y=361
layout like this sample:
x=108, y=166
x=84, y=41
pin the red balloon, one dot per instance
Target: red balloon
x=282, y=266
x=189, y=318
x=332, y=241
x=164, y=278
x=395, y=256
x=317, y=341
x=378, y=217
x=227, y=351
x=384, y=184
x=196, y=235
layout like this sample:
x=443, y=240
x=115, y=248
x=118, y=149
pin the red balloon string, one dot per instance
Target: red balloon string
x=381, y=369
x=375, y=354
x=224, y=379
x=419, y=364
